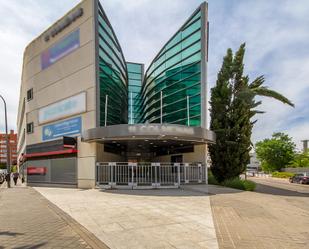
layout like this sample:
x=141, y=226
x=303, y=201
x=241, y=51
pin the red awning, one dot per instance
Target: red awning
x=51, y=153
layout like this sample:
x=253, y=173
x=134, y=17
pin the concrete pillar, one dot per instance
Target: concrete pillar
x=86, y=161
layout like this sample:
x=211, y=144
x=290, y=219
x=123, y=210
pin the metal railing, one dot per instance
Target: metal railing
x=149, y=175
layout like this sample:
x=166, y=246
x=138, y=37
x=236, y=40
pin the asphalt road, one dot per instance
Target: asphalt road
x=280, y=187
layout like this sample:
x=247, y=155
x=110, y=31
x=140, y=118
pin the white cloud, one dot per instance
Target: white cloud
x=24, y=20
x=276, y=36
x=144, y=26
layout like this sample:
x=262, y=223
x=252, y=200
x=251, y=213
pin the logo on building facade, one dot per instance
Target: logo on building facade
x=64, y=108
x=68, y=127
x=33, y=170
x=62, y=48
x=65, y=23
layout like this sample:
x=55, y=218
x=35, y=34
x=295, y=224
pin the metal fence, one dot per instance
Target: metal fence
x=149, y=175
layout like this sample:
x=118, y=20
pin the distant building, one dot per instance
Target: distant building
x=254, y=164
x=13, y=147
x=305, y=145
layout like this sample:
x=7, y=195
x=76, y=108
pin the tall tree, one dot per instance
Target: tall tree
x=232, y=107
x=220, y=101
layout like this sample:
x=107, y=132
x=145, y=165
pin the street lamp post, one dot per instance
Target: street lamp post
x=8, y=164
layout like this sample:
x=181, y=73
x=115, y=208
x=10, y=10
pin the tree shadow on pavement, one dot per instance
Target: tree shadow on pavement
x=177, y=192
x=266, y=189
x=40, y=245
x=184, y=190
x=203, y=190
x=8, y=233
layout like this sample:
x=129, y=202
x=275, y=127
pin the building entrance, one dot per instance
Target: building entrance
x=150, y=150
x=177, y=159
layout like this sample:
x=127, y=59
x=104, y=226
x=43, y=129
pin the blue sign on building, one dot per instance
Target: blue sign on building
x=60, y=49
x=67, y=127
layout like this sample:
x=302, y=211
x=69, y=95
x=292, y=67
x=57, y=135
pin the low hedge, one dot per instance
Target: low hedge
x=240, y=184
x=212, y=179
x=282, y=174
x=236, y=183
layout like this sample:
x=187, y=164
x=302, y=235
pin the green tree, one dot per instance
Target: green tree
x=301, y=160
x=275, y=153
x=232, y=107
x=220, y=101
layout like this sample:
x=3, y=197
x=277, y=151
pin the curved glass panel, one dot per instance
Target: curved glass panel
x=112, y=75
x=176, y=72
x=173, y=87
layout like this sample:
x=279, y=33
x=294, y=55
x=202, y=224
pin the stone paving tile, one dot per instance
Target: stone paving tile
x=132, y=219
x=269, y=219
x=27, y=220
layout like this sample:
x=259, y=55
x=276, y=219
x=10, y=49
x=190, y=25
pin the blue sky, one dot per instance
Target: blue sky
x=276, y=33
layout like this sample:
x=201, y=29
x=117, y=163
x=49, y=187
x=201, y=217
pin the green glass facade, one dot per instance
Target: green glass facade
x=112, y=75
x=176, y=72
x=135, y=77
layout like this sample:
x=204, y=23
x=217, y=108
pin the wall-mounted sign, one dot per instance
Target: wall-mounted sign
x=62, y=48
x=64, y=108
x=65, y=23
x=36, y=170
x=68, y=127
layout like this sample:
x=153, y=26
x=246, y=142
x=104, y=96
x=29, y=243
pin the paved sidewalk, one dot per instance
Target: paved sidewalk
x=29, y=221
x=133, y=219
x=272, y=219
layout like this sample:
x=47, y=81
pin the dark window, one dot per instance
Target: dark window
x=30, y=94
x=30, y=127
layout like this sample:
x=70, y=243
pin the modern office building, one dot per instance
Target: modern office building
x=12, y=148
x=88, y=117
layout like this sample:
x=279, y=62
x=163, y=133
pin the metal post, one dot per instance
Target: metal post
x=97, y=174
x=206, y=172
x=186, y=165
x=206, y=164
x=8, y=158
x=132, y=180
x=106, y=102
x=131, y=107
x=161, y=108
x=188, y=110
x=178, y=174
x=156, y=175
x=199, y=173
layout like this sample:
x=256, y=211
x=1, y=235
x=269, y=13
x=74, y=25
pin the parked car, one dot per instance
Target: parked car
x=251, y=172
x=301, y=178
x=3, y=171
x=2, y=175
x=2, y=178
